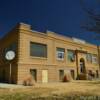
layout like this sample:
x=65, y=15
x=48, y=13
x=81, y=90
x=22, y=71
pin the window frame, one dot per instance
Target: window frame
x=94, y=59
x=61, y=74
x=60, y=52
x=36, y=43
x=89, y=60
x=33, y=73
x=72, y=51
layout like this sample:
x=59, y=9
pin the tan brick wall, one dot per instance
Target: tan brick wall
x=53, y=72
x=23, y=35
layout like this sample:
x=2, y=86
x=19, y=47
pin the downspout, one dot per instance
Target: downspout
x=98, y=56
x=76, y=54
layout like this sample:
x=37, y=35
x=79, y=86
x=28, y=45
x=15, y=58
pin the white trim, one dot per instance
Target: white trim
x=62, y=54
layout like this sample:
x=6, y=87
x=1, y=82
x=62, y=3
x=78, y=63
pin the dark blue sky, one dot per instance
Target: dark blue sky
x=61, y=16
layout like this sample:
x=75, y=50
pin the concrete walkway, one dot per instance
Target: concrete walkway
x=8, y=86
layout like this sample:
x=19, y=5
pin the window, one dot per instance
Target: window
x=60, y=53
x=61, y=75
x=89, y=57
x=97, y=74
x=72, y=74
x=38, y=50
x=13, y=46
x=71, y=55
x=94, y=59
x=33, y=72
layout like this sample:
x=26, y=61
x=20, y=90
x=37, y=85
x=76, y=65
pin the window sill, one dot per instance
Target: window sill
x=95, y=63
x=43, y=58
x=71, y=61
x=61, y=60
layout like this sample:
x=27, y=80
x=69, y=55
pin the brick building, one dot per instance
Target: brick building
x=46, y=56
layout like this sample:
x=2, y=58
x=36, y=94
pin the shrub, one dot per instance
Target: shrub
x=28, y=81
x=66, y=79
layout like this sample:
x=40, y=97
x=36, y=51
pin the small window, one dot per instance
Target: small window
x=33, y=72
x=38, y=50
x=72, y=74
x=94, y=59
x=89, y=57
x=71, y=55
x=60, y=53
x=97, y=74
x=61, y=75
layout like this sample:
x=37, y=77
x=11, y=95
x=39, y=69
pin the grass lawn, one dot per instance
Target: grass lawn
x=75, y=90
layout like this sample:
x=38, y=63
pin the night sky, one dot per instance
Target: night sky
x=61, y=16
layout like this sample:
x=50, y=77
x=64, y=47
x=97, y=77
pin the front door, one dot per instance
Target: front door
x=44, y=76
x=82, y=66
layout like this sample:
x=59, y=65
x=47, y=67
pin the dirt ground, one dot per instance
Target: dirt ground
x=70, y=88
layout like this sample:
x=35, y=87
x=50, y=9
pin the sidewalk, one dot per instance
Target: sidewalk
x=8, y=86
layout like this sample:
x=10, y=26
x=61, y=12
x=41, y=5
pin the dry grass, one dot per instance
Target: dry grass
x=75, y=88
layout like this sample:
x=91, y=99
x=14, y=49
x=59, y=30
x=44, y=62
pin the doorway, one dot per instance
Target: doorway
x=45, y=76
x=82, y=66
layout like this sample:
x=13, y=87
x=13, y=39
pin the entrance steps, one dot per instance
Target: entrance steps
x=82, y=77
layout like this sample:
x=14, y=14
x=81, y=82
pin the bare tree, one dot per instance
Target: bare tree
x=92, y=23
